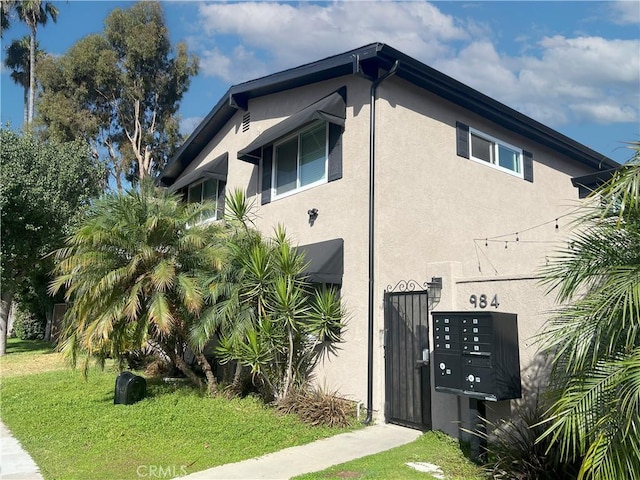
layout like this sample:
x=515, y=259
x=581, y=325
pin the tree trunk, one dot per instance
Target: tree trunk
x=212, y=383
x=32, y=74
x=26, y=106
x=289, y=375
x=237, y=378
x=5, y=307
x=179, y=362
x=186, y=369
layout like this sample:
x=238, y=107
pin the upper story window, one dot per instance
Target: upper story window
x=210, y=190
x=479, y=146
x=496, y=152
x=300, y=161
x=301, y=151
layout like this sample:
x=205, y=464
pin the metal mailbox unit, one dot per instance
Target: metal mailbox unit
x=476, y=354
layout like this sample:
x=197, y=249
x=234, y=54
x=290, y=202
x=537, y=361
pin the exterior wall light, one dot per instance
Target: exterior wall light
x=313, y=214
x=434, y=287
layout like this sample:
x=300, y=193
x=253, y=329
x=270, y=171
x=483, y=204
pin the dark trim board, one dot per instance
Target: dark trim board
x=369, y=61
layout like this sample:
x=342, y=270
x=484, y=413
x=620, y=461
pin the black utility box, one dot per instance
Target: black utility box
x=476, y=354
x=130, y=389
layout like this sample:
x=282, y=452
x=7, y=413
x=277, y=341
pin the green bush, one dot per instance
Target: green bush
x=27, y=326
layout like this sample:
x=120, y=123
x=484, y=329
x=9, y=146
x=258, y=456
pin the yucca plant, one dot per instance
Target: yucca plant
x=135, y=271
x=595, y=339
x=268, y=318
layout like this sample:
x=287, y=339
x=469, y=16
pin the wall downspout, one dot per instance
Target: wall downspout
x=372, y=145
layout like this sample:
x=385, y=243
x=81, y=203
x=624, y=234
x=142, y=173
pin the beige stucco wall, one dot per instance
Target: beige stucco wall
x=433, y=205
x=430, y=206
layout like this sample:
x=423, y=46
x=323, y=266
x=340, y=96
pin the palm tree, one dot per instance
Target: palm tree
x=34, y=13
x=595, y=339
x=18, y=60
x=5, y=13
x=133, y=273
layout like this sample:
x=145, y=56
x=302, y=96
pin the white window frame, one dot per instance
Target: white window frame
x=298, y=188
x=495, y=153
x=201, y=182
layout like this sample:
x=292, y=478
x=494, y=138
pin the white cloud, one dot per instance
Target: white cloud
x=625, y=12
x=583, y=79
x=292, y=34
x=605, y=112
x=556, y=79
x=189, y=124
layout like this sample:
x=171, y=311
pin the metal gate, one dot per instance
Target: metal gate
x=407, y=371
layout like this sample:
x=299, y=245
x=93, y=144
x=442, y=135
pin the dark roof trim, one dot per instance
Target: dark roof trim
x=368, y=61
x=217, y=169
x=588, y=183
x=331, y=109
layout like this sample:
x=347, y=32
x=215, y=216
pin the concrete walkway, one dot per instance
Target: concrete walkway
x=314, y=456
x=15, y=463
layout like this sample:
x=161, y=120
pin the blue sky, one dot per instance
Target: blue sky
x=574, y=66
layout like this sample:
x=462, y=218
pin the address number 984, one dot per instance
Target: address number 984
x=482, y=301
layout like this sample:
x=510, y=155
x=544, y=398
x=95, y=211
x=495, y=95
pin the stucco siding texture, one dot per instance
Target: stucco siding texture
x=430, y=205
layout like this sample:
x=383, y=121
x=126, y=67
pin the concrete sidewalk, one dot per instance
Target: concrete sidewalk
x=15, y=463
x=314, y=456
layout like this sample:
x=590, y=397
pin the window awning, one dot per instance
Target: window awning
x=331, y=109
x=217, y=169
x=325, y=261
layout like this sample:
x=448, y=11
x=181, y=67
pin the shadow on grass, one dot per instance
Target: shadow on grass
x=16, y=345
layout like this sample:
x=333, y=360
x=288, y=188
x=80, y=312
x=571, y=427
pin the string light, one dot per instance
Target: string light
x=517, y=234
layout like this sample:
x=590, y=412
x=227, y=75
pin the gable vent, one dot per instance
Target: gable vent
x=246, y=121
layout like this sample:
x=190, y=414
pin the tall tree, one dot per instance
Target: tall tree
x=42, y=186
x=34, y=13
x=18, y=59
x=5, y=15
x=594, y=340
x=121, y=90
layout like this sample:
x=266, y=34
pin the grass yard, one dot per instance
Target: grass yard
x=433, y=447
x=27, y=357
x=73, y=430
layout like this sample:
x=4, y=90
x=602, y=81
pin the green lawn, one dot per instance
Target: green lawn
x=433, y=447
x=74, y=431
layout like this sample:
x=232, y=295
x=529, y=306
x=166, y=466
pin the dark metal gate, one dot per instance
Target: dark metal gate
x=407, y=371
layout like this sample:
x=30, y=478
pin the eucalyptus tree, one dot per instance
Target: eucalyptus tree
x=594, y=340
x=134, y=273
x=121, y=90
x=34, y=13
x=18, y=59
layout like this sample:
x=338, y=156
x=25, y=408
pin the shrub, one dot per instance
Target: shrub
x=514, y=453
x=317, y=407
x=28, y=327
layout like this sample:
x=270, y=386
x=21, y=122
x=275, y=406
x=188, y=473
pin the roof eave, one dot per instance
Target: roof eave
x=367, y=61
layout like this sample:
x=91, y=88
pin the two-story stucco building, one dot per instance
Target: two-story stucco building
x=394, y=176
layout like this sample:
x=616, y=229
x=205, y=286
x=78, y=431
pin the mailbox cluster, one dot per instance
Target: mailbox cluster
x=476, y=354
